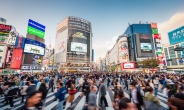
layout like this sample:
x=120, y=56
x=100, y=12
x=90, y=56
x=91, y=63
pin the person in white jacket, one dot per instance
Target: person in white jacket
x=23, y=91
x=81, y=81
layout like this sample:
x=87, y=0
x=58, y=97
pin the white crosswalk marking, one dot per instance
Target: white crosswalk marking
x=79, y=104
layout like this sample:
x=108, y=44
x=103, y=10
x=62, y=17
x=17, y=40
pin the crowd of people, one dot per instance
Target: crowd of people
x=143, y=89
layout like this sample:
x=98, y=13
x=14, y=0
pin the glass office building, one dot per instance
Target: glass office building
x=131, y=31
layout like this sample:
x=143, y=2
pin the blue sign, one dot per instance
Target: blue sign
x=176, y=36
x=36, y=25
x=34, y=42
x=19, y=43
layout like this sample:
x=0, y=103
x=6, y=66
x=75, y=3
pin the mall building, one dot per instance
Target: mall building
x=174, y=51
x=139, y=41
x=73, y=45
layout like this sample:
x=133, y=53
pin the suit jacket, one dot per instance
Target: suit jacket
x=102, y=90
x=139, y=97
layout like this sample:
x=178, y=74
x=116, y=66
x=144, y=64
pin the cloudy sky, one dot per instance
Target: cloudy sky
x=109, y=18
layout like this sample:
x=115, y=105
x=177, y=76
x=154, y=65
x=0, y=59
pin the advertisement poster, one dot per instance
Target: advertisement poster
x=33, y=49
x=176, y=35
x=16, y=59
x=19, y=43
x=79, y=35
x=153, y=25
x=3, y=51
x=61, y=42
x=36, y=29
x=146, y=47
x=78, y=47
x=5, y=28
x=129, y=65
x=124, y=53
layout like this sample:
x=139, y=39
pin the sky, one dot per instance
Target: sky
x=109, y=18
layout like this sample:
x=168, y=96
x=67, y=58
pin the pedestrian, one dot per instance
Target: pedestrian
x=103, y=94
x=60, y=94
x=92, y=105
x=43, y=90
x=31, y=88
x=51, y=84
x=71, y=92
x=23, y=91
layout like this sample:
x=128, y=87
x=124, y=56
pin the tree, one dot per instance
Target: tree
x=113, y=68
x=149, y=63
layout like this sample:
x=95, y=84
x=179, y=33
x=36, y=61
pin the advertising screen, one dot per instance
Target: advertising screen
x=5, y=28
x=33, y=49
x=36, y=25
x=176, y=35
x=130, y=65
x=16, y=59
x=36, y=32
x=78, y=47
x=154, y=31
x=146, y=47
x=19, y=43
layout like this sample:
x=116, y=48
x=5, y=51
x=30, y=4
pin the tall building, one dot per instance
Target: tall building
x=73, y=44
x=140, y=41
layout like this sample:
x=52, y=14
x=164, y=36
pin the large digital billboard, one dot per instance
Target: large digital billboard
x=128, y=65
x=19, y=43
x=78, y=47
x=144, y=45
x=16, y=59
x=176, y=36
x=36, y=29
x=34, y=47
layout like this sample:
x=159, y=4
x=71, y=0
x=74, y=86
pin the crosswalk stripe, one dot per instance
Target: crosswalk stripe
x=80, y=105
x=109, y=100
x=50, y=106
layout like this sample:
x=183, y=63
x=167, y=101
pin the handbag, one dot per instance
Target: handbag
x=72, y=92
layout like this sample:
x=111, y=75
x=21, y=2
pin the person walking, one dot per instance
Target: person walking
x=71, y=92
x=51, y=84
x=23, y=91
x=60, y=94
x=92, y=105
x=43, y=90
x=103, y=94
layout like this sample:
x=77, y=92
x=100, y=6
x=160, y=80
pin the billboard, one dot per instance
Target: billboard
x=34, y=47
x=19, y=43
x=153, y=25
x=128, y=65
x=36, y=29
x=144, y=45
x=176, y=35
x=79, y=35
x=16, y=59
x=3, y=51
x=5, y=28
x=61, y=42
x=78, y=47
x=124, y=52
x=154, y=31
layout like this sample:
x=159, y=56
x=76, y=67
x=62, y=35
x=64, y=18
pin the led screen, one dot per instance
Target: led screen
x=29, y=48
x=146, y=47
x=78, y=47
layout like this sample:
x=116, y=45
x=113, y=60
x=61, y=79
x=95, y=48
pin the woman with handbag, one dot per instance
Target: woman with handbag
x=71, y=92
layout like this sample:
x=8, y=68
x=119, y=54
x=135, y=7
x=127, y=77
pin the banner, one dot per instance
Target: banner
x=36, y=25
x=16, y=59
x=19, y=43
x=5, y=28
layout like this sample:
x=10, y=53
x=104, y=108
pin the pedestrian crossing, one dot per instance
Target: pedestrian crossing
x=78, y=103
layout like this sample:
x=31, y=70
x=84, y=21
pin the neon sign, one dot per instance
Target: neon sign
x=5, y=28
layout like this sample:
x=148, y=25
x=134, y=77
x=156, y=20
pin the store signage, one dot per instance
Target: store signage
x=5, y=28
x=19, y=43
x=78, y=47
x=36, y=32
x=16, y=59
x=4, y=33
x=36, y=25
x=158, y=52
x=154, y=31
x=156, y=36
x=144, y=36
x=129, y=65
x=176, y=35
x=33, y=49
x=29, y=67
x=2, y=40
x=153, y=25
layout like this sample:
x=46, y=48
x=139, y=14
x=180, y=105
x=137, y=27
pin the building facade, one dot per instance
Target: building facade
x=73, y=44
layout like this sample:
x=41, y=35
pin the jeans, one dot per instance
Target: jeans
x=10, y=101
x=60, y=105
x=156, y=91
x=103, y=99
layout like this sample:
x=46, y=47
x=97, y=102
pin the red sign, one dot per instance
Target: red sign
x=128, y=65
x=5, y=28
x=16, y=58
x=20, y=42
x=156, y=36
x=144, y=37
x=153, y=25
